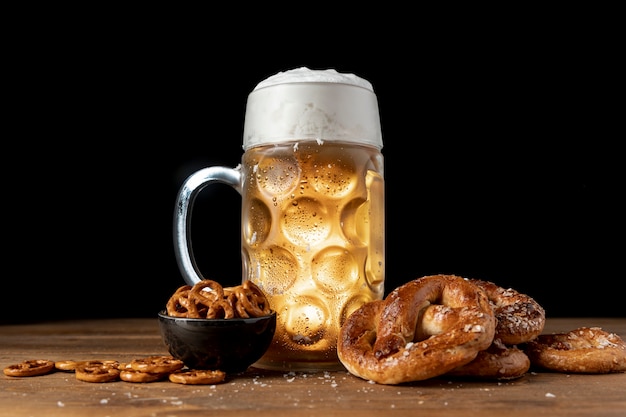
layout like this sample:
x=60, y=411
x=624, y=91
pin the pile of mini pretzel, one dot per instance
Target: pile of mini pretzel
x=140, y=370
x=449, y=325
x=207, y=299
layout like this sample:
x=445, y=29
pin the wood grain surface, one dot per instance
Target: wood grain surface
x=264, y=393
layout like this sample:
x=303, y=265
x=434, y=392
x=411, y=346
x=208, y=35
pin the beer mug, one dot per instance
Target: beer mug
x=312, y=213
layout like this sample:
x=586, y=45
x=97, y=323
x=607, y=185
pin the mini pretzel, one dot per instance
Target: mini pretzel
x=208, y=299
x=197, y=377
x=66, y=365
x=519, y=317
x=221, y=309
x=128, y=374
x=180, y=305
x=157, y=364
x=207, y=292
x=97, y=371
x=589, y=350
x=253, y=300
x=33, y=367
x=379, y=341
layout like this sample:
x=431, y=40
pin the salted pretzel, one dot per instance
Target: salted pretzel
x=31, y=367
x=589, y=350
x=519, y=318
x=497, y=362
x=380, y=341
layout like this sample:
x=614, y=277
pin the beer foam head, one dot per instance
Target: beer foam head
x=305, y=104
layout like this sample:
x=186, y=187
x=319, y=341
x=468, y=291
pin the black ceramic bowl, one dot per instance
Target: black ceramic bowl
x=230, y=345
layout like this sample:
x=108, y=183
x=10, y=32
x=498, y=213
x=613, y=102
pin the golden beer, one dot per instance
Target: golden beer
x=313, y=241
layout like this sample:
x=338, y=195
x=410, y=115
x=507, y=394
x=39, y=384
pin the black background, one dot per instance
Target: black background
x=500, y=142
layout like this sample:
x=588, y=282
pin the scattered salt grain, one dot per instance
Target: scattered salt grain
x=60, y=404
x=550, y=395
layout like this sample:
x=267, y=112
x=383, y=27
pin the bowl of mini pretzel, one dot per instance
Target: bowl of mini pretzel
x=208, y=326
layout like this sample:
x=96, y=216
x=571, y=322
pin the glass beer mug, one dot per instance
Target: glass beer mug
x=312, y=214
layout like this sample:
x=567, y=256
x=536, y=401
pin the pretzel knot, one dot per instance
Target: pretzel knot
x=221, y=309
x=251, y=301
x=180, y=305
x=389, y=342
x=519, y=318
x=208, y=299
x=207, y=292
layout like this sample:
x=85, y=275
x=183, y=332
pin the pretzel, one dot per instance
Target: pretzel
x=66, y=365
x=206, y=292
x=157, y=364
x=32, y=367
x=221, y=309
x=252, y=301
x=519, y=318
x=128, y=374
x=97, y=371
x=589, y=350
x=380, y=342
x=197, y=377
x=208, y=299
x=498, y=361
x=180, y=305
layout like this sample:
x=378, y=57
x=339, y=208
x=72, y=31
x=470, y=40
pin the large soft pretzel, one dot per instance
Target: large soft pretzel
x=589, y=350
x=387, y=341
x=498, y=361
x=519, y=318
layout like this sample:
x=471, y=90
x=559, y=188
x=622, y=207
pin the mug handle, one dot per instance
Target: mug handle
x=182, y=215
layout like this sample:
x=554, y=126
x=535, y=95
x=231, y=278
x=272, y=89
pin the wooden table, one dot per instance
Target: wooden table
x=263, y=393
